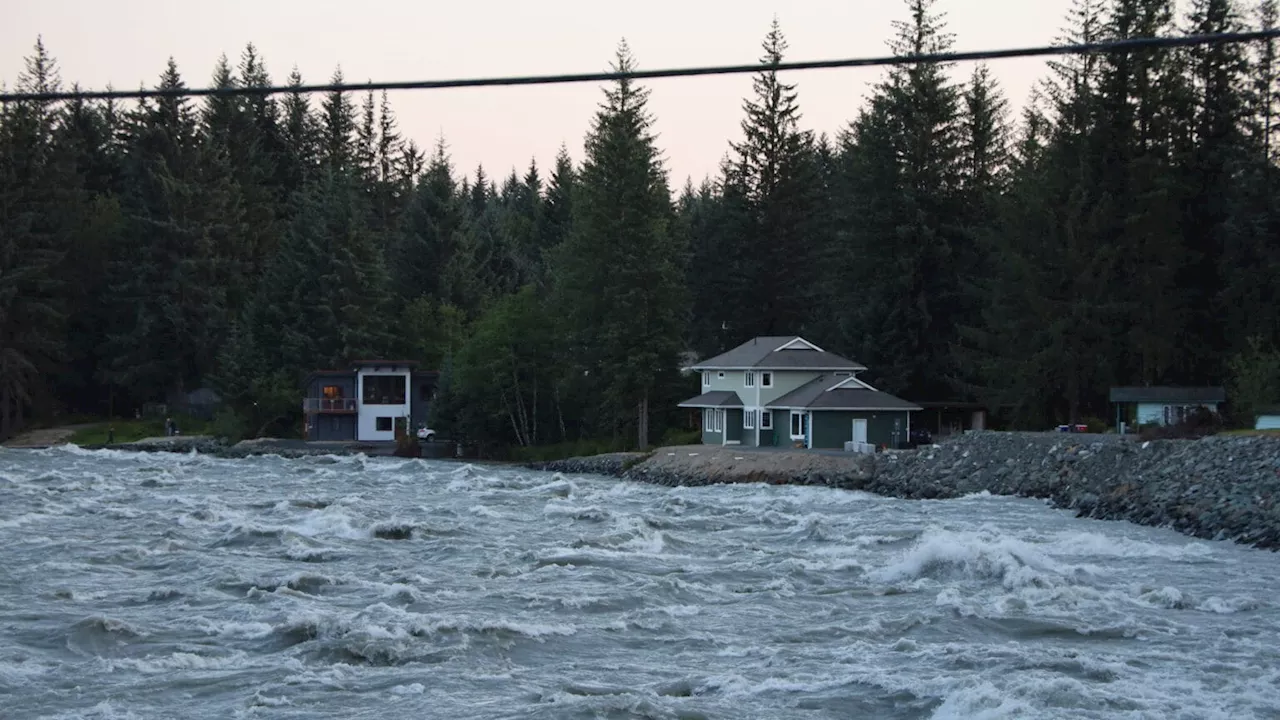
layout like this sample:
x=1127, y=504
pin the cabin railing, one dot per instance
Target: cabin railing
x=329, y=405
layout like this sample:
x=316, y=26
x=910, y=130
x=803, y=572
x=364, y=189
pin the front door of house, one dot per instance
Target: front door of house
x=860, y=430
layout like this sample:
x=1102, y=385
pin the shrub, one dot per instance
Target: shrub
x=228, y=425
x=407, y=445
x=1095, y=425
x=676, y=436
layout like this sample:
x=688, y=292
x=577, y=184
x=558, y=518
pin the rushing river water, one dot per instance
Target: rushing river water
x=182, y=586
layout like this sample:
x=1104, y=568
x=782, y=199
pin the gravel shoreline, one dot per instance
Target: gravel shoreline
x=1221, y=488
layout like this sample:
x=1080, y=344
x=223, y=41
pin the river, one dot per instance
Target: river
x=167, y=585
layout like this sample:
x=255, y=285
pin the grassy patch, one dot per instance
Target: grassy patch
x=132, y=430
x=1252, y=433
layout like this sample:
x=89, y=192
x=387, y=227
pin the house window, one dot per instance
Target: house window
x=720, y=375
x=384, y=424
x=799, y=424
x=709, y=420
x=766, y=419
x=384, y=390
x=719, y=421
x=706, y=379
x=749, y=419
x=424, y=392
x=766, y=379
x=750, y=379
x=331, y=392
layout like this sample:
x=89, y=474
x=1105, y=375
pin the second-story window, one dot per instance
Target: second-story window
x=766, y=379
x=750, y=380
x=706, y=379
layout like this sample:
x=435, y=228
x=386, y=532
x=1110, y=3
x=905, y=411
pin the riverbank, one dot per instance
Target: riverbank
x=1222, y=487
x=209, y=445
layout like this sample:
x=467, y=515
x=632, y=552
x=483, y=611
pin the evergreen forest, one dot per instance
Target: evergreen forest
x=1121, y=229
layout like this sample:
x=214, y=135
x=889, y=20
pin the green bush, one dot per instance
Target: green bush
x=1095, y=425
x=228, y=425
x=675, y=436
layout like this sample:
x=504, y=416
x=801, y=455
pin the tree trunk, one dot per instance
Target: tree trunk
x=643, y=423
x=564, y=433
x=4, y=413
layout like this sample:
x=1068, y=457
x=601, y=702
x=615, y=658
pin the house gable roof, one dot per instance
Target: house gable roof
x=827, y=392
x=777, y=352
x=714, y=399
x=1188, y=395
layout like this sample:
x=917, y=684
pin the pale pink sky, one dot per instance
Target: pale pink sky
x=127, y=42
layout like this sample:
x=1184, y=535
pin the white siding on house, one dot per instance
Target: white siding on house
x=367, y=416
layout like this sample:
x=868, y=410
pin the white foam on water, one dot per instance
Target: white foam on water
x=351, y=587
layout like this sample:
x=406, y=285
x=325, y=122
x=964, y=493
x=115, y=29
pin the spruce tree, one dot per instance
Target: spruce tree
x=897, y=291
x=33, y=239
x=775, y=163
x=620, y=274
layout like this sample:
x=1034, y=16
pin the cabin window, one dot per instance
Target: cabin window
x=766, y=379
x=384, y=390
x=384, y=424
x=331, y=392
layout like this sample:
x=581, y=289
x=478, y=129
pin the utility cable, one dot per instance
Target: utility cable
x=1111, y=46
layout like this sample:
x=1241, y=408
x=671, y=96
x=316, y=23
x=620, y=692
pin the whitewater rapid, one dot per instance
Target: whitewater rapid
x=165, y=585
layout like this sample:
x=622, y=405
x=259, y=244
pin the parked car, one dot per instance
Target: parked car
x=426, y=433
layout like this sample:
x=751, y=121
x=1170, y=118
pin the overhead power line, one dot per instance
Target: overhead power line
x=1114, y=46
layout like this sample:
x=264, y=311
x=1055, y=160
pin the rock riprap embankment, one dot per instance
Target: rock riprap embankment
x=1224, y=487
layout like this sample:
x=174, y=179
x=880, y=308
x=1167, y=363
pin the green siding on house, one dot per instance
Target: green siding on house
x=832, y=429
x=766, y=438
x=711, y=438
x=732, y=381
x=783, y=382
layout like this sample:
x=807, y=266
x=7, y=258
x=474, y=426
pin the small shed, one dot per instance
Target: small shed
x=1268, y=418
x=1167, y=405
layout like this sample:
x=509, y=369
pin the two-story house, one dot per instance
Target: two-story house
x=367, y=403
x=786, y=391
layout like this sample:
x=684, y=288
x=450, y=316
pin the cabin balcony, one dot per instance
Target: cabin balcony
x=329, y=405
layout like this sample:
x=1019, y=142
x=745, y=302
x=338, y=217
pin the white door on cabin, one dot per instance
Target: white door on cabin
x=859, y=430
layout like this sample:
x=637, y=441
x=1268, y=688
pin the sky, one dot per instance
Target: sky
x=125, y=43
